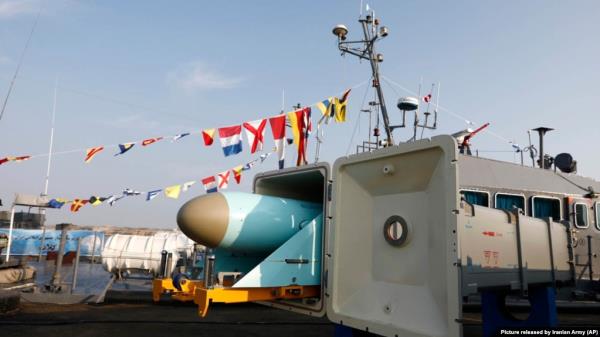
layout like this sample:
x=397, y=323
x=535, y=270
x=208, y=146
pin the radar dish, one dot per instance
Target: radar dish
x=565, y=163
x=408, y=103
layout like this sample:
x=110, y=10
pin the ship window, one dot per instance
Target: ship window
x=581, y=216
x=476, y=197
x=546, y=208
x=510, y=201
x=597, y=209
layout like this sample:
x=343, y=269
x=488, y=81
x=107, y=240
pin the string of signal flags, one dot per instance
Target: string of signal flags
x=211, y=184
x=230, y=137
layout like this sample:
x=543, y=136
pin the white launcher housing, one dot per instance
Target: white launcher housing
x=401, y=249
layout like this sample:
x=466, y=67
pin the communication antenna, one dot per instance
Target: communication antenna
x=428, y=113
x=532, y=150
x=542, y=162
x=365, y=50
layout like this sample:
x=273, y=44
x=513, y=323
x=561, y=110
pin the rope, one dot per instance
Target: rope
x=357, y=121
x=20, y=63
x=165, y=137
x=441, y=108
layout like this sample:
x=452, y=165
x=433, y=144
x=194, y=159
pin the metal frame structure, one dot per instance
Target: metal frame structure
x=587, y=215
x=365, y=50
x=12, y=223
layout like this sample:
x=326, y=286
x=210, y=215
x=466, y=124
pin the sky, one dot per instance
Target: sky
x=126, y=71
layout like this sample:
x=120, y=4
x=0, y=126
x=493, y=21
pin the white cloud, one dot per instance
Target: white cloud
x=196, y=76
x=4, y=59
x=10, y=8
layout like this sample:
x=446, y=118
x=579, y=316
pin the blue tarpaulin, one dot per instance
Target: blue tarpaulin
x=28, y=241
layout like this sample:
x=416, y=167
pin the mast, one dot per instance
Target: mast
x=366, y=51
x=51, y=140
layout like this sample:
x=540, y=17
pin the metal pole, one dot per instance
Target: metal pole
x=521, y=150
x=55, y=283
x=209, y=264
x=376, y=83
x=42, y=243
x=94, y=248
x=50, y=149
x=162, y=269
x=76, y=266
x=10, y=230
x=590, y=256
x=51, y=140
x=319, y=140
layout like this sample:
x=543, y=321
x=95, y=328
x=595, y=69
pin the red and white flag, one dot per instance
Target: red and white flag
x=91, y=152
x=255, y=132
x=223, y=179
x=210, y=184
x=209, y=136
x=427, y=98
x=231, y=139
x=149, y=141
x=278, y=130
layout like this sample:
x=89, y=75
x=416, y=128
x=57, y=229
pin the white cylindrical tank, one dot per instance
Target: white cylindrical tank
x=144, y=252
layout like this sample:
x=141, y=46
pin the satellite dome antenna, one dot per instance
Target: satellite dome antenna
x=405, y=104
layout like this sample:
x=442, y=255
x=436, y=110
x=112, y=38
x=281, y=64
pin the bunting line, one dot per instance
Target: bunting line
x=211, y=184
x=207, y=134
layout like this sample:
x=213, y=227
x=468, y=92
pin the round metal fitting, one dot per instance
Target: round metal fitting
x=395, y=230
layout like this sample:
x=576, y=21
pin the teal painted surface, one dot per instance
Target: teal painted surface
x=259, y=223
x=274, y=271
x=226, y=261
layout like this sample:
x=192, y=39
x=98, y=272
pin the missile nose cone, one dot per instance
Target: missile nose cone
x=205, y=219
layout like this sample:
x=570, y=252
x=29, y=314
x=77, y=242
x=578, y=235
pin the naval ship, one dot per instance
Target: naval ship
x=394, y=239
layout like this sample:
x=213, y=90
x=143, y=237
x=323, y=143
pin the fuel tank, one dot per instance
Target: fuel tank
x=245, y=222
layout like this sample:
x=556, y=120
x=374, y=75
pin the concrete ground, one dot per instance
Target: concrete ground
x=133, y=318
x=148, y=320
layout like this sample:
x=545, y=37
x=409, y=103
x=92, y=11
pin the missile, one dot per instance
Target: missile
x=244, y=222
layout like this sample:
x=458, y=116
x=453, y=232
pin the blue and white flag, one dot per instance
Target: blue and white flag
x=249, y=165
x=152, y=194
x=124, y=148
x=129, y=192
x=179, y=136
x=114, y=198
x=231, y=139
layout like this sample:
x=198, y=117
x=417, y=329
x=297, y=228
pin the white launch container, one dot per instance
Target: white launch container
x=144, y=252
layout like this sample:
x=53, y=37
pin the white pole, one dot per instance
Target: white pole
x=10, y=230
x=50, y=149
x=51, y=140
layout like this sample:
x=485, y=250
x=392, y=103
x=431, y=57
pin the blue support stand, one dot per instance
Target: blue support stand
x=346, y=331
x=343, y=331
x=495, y=316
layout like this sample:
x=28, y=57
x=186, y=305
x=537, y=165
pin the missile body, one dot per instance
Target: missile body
x=244, y=222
